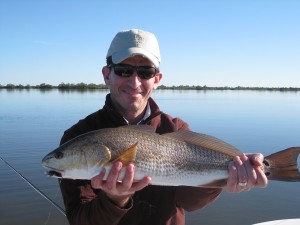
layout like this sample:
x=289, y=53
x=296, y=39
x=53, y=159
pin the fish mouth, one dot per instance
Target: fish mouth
x=53, y=173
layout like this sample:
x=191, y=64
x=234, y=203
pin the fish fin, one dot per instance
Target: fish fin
x=205, y=141
x=128, y=155
x=107, y=158
x=107, y=152
x=283, y=165
x=143, y=127
x=216, y=184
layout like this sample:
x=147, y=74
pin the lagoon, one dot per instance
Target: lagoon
x=33, y=121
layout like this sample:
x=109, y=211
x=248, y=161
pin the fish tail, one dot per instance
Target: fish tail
x=283, y=165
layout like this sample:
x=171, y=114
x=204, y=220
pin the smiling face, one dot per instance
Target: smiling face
x=130, y=94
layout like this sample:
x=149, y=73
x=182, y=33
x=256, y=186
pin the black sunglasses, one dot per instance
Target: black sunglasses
x=125, y=70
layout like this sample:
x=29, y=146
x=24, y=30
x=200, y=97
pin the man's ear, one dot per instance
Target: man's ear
x=105, y=73
x=157, y=79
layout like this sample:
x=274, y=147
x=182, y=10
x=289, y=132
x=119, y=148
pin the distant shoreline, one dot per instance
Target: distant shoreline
x=92, y=86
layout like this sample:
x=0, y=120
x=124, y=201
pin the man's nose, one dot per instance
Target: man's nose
x=134, y=80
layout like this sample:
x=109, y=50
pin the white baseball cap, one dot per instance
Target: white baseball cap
x=128, y=43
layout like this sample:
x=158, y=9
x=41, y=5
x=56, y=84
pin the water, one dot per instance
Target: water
x=33, y=121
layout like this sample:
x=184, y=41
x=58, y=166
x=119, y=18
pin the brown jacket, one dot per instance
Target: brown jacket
x=152, y=205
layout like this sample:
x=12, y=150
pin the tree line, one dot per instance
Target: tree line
x=91, y=86
x=198, y=87
x=60, y=86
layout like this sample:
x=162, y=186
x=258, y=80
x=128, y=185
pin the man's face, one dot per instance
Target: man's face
x=131, y=94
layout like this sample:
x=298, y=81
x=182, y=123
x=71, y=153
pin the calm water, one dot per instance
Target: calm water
x=32, y=122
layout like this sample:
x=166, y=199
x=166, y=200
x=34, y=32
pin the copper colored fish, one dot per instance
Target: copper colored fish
x=178, y=158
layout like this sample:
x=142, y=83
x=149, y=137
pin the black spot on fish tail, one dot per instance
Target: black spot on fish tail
x=283, y=165
x=266, y=163
x=267, y=166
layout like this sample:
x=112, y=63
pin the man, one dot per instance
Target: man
x=132, y=73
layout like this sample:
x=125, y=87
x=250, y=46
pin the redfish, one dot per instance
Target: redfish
x=172, y=159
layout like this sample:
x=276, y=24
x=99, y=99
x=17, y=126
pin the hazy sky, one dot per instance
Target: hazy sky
x=213, y=43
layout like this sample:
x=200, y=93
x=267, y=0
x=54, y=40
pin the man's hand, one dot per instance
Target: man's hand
x=245, y=173
x=119, y=192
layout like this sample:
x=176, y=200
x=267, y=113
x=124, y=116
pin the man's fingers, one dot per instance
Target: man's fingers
x=113, y=176
x=251, y=173
x=241, y=171
x=96, y=181
x=126, y=183
x=141, y=184
x=256, y=159
x=262, y=180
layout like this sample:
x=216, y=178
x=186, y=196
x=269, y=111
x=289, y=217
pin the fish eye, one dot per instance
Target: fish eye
x=58, y=155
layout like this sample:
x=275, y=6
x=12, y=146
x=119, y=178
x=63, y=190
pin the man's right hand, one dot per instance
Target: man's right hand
x=119, y=192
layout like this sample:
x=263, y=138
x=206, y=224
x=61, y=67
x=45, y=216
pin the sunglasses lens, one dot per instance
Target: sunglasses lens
x=144, y=72
x=123, y=71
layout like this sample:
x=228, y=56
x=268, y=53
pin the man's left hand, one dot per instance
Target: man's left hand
x=245, y=172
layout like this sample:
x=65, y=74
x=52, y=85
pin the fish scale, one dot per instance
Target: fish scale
x=166, y=159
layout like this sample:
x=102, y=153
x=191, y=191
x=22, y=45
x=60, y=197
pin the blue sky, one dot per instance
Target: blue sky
x=212, y=42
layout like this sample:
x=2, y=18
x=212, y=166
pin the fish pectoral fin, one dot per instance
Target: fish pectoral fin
x=283, y=165
x=107, y=152
x=128, y=155
x=104, y=156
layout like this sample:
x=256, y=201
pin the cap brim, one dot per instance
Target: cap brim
x=122, y=55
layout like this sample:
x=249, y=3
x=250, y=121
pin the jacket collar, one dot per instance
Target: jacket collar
x=151, y=112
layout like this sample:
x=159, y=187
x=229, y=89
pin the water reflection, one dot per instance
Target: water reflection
x=32, y=122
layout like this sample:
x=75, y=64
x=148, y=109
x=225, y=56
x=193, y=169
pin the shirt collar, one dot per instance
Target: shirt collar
x=146, y=115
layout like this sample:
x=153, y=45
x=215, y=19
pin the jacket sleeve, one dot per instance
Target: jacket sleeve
x=193, y=198
x=85, y=206
x=166, y=124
